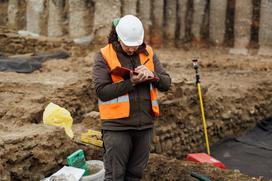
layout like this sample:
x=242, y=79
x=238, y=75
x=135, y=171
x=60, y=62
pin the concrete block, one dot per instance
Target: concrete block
x=105, y=12
x=182, y=4
x=218, y=11
x=198, y=17
x=129, y=7
x=265, y=31
x=36, y=16
x=56, y=18
x=17, y=14
x=3, y=12
x=145, y=16
x=157, y=23
x=170, y=22
x=242, y=26
x=80, y=18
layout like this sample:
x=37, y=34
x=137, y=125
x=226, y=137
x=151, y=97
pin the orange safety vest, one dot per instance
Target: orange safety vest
x=120, y=107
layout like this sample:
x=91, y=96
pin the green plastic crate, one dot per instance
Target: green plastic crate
x=77, y=159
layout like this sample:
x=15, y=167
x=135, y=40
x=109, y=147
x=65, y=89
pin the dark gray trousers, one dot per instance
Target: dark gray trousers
x=126, y=154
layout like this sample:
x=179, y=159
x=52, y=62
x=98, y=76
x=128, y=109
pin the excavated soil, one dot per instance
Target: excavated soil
x=237, y=93
x=163, y=168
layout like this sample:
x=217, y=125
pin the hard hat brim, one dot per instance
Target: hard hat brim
x=136, y=43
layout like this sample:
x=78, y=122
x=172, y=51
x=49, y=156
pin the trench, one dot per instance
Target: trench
x=236, y=93
x=230, y=110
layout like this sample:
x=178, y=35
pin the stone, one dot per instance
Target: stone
x=93, y=114
x=238, y=51
x=265, y=50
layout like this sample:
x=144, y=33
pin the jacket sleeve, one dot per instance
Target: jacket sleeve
x=105, y=88
x=165, y=81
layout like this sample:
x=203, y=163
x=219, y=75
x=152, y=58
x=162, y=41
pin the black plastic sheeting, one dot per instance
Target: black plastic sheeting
x=28, y=64
x=250, y=153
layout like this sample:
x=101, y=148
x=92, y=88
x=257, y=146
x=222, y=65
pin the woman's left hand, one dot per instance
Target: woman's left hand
x=144, y=73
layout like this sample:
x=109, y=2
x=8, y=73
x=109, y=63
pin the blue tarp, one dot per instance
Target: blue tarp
x=27, y=64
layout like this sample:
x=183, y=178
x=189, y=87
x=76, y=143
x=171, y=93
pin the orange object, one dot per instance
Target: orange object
x=204, y=158
x=119, y=107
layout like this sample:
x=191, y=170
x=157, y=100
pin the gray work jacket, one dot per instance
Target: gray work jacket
x=141, y=114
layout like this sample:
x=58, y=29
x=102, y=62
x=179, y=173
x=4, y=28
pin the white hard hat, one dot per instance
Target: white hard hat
x=130, y=30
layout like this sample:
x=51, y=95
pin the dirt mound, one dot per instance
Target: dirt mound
x=163, y=168
x=30, y=148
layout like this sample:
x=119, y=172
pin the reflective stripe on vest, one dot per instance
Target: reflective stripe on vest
x=120, y=107
x=123, y=98
x=154, y=100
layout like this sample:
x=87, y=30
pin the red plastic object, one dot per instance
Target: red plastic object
x=204, y=158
